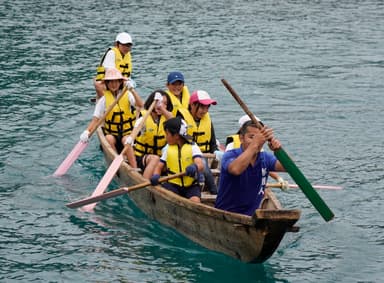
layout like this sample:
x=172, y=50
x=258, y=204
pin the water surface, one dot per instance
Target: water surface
x=312, y=70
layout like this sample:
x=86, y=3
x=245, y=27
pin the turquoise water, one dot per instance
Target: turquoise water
x=312, y=70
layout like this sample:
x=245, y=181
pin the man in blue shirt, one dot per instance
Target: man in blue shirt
x=244, y=171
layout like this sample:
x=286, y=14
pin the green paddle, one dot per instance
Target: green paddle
x=290, y=166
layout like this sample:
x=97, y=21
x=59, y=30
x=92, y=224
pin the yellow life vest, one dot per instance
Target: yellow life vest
x=235, y=139
x=120, y=121
x=177, y=160
x=153, y=140
x=187, y=117
x=202, y=134
x=177, y=104
x=123, y=64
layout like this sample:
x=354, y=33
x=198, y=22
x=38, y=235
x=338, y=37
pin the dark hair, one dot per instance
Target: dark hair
x=173, y=125
x=245, y=126
x=151, y=97
x=120, y=87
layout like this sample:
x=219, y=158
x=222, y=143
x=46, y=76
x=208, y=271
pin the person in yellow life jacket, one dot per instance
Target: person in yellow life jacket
x=233, y=141
x=119, y=57
x=204, y=132
x=180, y=155
x=178, y=91
x=151, y=139
x=119, y=122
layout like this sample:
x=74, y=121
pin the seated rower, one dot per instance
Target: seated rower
x=151, y=139
x=233, y=142
x=244, y=170
x=203, y=132
x=119, y=122
x=180, y=155
x=178, y=92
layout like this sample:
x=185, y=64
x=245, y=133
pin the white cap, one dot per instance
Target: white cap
x=246, y=118
x=124, y=38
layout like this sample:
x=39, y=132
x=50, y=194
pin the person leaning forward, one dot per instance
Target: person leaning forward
x=119, y=57
x=244, y=171
x=151, y=139
x=180, y=155
x=233, y=141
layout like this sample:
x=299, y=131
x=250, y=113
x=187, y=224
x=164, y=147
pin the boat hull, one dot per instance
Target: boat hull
x=249, y=239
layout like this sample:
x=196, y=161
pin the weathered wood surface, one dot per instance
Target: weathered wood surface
x=249, y=239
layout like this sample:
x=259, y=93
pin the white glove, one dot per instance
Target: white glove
x=84, y=137
x=130, y=83
x=284, y=184
x=219, y=154
x=129, y=140
x=158, y=96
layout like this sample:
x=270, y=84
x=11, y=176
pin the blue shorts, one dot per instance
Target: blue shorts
x=187, y=192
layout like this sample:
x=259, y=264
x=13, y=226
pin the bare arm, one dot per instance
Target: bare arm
x=159, y=168
x=279, y=167
x=241, y=163
x=93, y=124
x=163, y=109
x=199, y=163
x=138, y=101
x=254, y=143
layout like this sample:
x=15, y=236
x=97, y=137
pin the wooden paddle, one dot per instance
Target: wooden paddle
x=118, y=192
x=290, y=166
x=115, y=165
x=294, y=186
x=80, y=146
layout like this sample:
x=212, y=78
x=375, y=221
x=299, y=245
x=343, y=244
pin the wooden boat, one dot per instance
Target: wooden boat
x=249, y=239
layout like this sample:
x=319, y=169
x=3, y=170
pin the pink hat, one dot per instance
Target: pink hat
x=202, y=97
x=113, y=74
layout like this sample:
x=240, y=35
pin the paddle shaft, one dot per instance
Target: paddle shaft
x=290, y=166
x=294, y=186
x=115, y=165
x=119, y=192
x=109, y=109
x=138, y=128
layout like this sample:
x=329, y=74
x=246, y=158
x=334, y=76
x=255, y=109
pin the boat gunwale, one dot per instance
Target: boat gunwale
x=235, y=218
x=251, y=239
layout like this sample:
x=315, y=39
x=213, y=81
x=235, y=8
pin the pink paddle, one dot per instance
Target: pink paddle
x=70, y=159
x=115, y=165
x=78, y=149
x=104, y=182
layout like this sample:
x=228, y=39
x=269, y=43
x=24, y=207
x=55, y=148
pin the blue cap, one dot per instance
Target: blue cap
x=175, y=76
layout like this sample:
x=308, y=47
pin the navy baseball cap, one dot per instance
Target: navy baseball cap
x=174, y=77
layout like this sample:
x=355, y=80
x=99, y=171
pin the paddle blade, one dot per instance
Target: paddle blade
x=70, y=159
x=105, y=181
x=304, y=185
